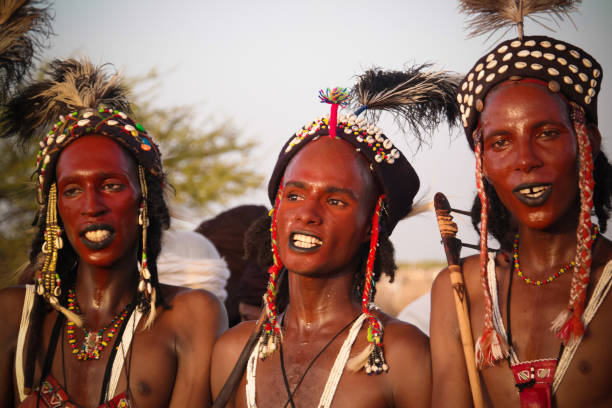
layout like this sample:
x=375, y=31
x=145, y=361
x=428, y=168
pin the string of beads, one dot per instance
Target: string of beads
x=562, y=270
x=94, y=342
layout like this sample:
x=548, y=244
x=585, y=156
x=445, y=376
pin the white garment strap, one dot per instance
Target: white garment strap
x=339, y=364
x=334, y=376
x=123, y=348
x=28, y=303
x=498, y=322
x=599, y=295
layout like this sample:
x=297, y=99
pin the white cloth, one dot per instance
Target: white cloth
x=189, y=259
x=418, y=312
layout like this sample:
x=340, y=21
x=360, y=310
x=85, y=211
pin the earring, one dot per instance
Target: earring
x=48, y=283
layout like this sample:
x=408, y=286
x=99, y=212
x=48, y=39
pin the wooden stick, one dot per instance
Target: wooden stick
x=229, y=388
x=452, y=248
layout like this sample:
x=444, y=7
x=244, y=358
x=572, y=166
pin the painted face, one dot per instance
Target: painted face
x=98, y=200
x=530, y=153
x=327, y=204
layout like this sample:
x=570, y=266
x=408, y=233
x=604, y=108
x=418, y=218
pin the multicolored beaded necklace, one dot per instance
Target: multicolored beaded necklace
x=562, y=270
x=94, y=341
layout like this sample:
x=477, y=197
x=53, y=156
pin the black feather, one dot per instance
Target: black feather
x=419, y=99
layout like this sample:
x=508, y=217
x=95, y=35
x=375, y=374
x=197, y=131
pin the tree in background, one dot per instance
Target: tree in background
x=205, y=163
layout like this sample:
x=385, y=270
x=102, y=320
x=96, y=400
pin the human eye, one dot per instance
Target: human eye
x=548, y=134
x=336, y=202
x=71, y=191
x=112, y=186
x=499, y=142
x=293, y=196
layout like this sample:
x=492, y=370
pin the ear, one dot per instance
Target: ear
x=594, y=139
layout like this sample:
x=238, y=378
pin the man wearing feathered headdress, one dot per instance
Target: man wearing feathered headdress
x=539, y=306
x=75, y=336
x=338, y=189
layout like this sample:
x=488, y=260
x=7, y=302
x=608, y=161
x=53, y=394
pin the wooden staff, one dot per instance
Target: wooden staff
x=229, y=388
x=452, y=248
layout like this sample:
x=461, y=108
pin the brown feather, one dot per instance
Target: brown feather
x=490, y=16
x=24, y=28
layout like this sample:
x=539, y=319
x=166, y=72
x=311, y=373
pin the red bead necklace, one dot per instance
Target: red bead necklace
x=562, y=270
x=94, y=342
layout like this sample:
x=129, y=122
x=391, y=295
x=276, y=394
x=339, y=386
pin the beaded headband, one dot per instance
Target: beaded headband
x=108, y=122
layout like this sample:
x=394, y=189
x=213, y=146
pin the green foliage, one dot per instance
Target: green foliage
x=205, y=164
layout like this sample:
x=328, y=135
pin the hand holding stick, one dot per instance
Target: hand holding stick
x=452, y=248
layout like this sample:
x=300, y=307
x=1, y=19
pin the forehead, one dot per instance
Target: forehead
x=94, y=154
x=330, y=162
x=516, y=100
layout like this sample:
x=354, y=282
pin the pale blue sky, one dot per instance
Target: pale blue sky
x=261, y=63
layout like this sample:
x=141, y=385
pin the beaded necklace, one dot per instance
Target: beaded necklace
x=94, y=341
x=562, y=270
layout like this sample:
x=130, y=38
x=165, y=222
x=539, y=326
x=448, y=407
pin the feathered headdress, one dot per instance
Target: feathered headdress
x=490, y=16
x=419, y=99
x=24, y=27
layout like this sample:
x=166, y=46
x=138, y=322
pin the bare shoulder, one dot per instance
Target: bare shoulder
x=195, y=309
x=404, y=341
x=11, y=299
x=232, y=342
x=226, y=353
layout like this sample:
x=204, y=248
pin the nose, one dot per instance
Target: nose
x=527, y=158
x=92, y=204
x=309, y=213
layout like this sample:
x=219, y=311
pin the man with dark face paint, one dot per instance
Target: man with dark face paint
x=530, y=114
x=339, y=187
x=80, y=339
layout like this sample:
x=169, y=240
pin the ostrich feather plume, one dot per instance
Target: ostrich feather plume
x=69, y=85
x=490, y=16
x=24, y=28
x=419, y=99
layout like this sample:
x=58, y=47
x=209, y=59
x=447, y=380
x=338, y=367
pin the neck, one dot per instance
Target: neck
x=316, y=302
x=543, y=251
x=103, y=292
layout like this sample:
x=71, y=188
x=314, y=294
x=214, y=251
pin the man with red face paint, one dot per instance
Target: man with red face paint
x=97, y=328
x=339, y=187
x=529, y=109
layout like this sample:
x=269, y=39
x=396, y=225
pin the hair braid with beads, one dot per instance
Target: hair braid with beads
x=490, y=347
x=272, y=333
x=568, y=325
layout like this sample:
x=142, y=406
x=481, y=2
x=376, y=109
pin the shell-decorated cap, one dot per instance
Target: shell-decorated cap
x=388, y=164
x=103, y=121
x=562, y=66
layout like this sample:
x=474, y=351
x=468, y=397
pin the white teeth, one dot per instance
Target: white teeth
x=97, y=235
x=534, y=192
x=306, y=241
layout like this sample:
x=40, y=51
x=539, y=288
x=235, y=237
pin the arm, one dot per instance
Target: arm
x=409, y=360
x=11, y=304
x=450, y=380
x=226, y=353
x=200, y=319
